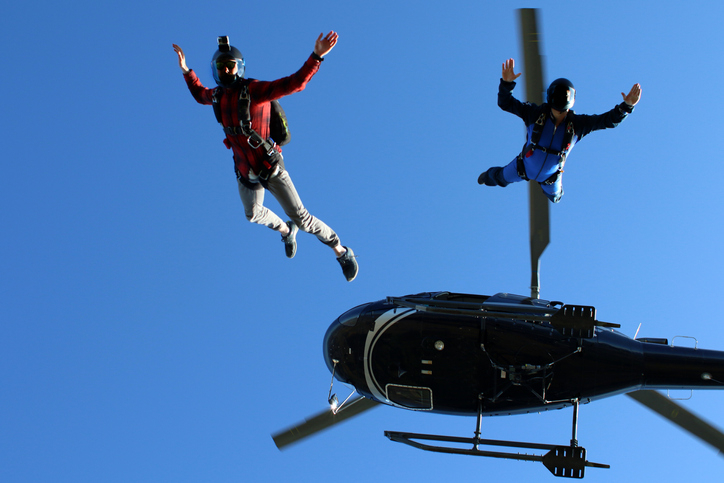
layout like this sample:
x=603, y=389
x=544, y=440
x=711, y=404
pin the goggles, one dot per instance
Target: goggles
x=221, y=64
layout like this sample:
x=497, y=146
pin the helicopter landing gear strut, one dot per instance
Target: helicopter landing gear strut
x=574, y=436
x=564, y=461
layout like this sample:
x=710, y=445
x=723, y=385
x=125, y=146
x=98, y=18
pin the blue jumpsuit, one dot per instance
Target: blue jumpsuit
x=542, y=166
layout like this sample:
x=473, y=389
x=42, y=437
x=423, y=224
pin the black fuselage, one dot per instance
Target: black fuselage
x=455, y=362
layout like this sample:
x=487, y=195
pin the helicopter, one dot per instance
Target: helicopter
x=503, y=354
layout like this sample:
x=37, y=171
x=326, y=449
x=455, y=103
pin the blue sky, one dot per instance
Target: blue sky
x=150, y=333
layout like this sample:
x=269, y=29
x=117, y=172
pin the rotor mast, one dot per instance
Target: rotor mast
x=538, y=203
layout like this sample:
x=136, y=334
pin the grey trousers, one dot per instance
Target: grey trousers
x=282, y=188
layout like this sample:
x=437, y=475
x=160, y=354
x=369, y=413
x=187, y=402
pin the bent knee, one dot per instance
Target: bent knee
x=306, y=222
x=255, y=214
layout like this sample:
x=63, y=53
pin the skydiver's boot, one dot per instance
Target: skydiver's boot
x=493, y=177
x=349, y=264
x=290, y=241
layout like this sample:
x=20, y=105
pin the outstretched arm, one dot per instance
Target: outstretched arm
x=610, y=119
x=509, y=74
x=633, y=96
x=324, y=44
x=507, y=102
x=200, y=93
x=181, y=58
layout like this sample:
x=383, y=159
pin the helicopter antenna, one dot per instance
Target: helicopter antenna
x=538, y=203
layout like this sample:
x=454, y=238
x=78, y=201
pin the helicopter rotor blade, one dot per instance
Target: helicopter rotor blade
x=539, y=234
x=322, y=421
x=538, y=203
x=680, y=416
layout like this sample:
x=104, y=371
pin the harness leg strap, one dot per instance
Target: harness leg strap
x=520, y=167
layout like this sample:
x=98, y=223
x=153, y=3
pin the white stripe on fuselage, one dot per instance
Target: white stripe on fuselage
x=383, y=322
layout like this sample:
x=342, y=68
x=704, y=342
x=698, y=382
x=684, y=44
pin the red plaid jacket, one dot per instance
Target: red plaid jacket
x=261, y=94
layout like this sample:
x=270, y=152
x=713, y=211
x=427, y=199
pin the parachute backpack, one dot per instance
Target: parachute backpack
x=278, y=126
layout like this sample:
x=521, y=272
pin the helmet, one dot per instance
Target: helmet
x=561, y=94
x=227, y=52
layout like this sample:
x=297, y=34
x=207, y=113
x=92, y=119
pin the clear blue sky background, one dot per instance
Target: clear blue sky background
x=150, y=333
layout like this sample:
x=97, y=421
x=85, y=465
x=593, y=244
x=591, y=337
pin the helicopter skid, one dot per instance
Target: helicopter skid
x=564, y=461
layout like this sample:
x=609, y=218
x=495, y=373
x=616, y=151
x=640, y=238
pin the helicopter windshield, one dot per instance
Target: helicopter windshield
x=350, y=317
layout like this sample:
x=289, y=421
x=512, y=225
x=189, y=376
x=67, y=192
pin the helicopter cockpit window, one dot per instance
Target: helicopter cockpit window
x=350, y=317
x=411, y=397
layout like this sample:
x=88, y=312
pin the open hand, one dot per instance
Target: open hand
x=509, y=74
x=323, y=45
x=633, y=96
x=181, y=58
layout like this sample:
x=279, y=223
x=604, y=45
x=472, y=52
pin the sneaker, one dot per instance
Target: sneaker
x=349, y=264
x=290, y=241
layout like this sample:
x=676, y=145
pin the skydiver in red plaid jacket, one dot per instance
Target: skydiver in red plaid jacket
x=259, y=168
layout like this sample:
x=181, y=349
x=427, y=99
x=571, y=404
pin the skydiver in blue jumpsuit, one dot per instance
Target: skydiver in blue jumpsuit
x=553, y=124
